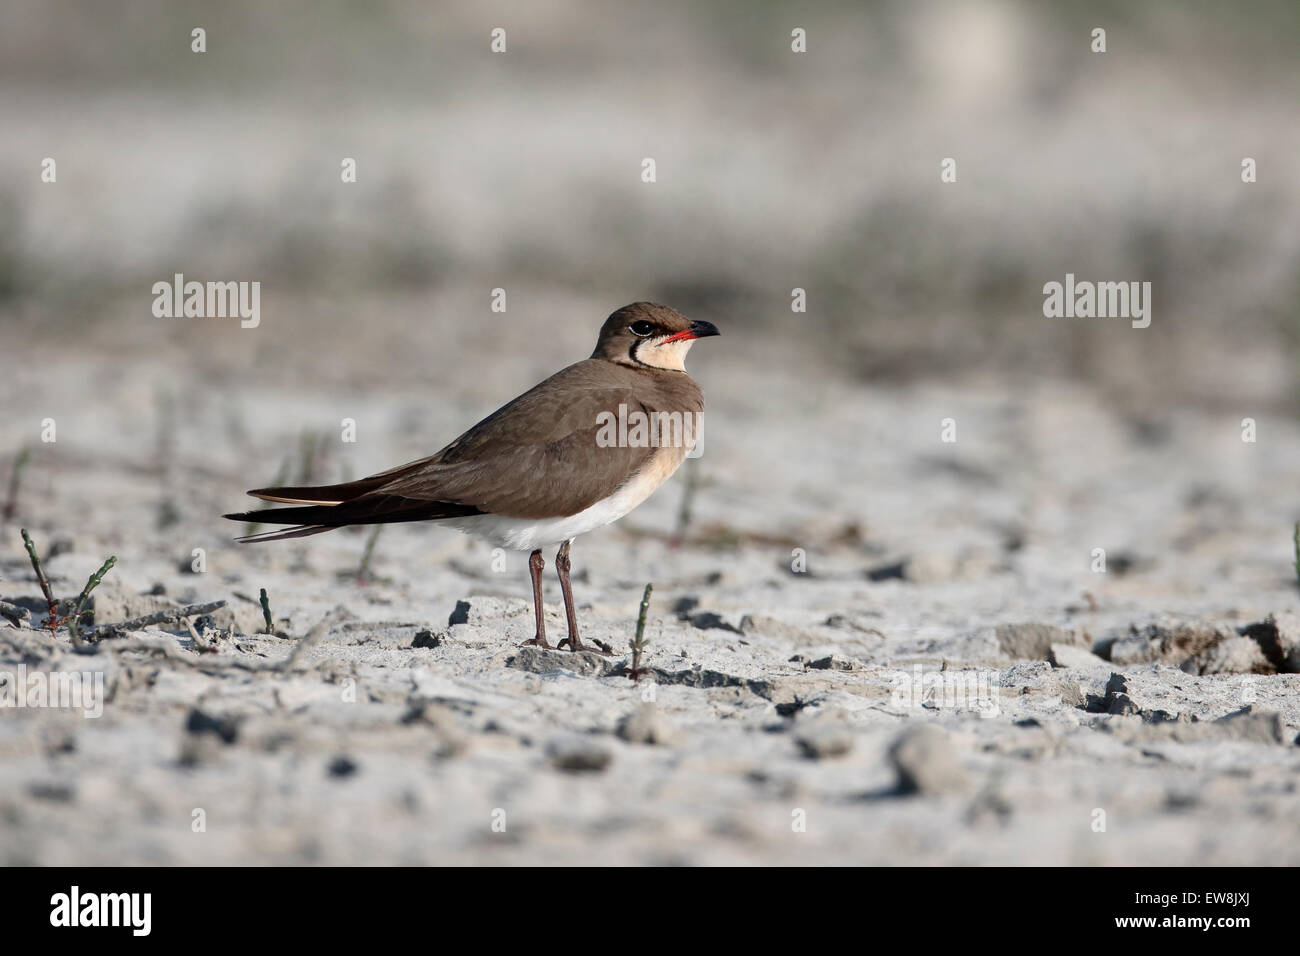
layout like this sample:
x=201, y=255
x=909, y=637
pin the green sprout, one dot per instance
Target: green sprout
x=266, y=610
x=640, y=642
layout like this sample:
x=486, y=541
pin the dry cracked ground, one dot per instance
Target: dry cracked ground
x=870, y=647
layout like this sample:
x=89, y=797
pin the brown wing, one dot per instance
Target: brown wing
x=539, y=456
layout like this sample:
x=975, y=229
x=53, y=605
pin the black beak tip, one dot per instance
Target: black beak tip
x=703, y=329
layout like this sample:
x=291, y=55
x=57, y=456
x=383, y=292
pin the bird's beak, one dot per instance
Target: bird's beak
x=699, y=329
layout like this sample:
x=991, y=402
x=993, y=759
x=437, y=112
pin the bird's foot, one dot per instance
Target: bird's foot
x=538, y=641
x=575, y=644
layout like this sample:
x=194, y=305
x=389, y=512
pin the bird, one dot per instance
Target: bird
x=572, y=454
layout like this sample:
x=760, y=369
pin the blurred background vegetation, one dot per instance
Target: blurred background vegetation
x=775, y=170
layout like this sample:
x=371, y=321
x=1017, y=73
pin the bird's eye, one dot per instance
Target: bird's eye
x=642, y=328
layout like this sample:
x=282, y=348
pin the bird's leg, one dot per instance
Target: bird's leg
x=535, y=568
x=566, y=587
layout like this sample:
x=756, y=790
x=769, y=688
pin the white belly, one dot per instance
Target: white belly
x=529, y=534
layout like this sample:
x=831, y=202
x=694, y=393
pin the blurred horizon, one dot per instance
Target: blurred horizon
x=775, y=170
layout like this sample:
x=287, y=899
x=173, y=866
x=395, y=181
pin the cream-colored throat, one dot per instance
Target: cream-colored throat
x=671, y=356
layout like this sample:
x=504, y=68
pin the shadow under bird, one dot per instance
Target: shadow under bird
x=542, y=469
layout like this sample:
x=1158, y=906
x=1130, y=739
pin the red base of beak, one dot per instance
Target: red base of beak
x=687, y=334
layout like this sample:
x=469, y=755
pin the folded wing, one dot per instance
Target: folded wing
x=544, y=455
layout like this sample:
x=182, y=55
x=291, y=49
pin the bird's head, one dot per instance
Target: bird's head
x=648, y=334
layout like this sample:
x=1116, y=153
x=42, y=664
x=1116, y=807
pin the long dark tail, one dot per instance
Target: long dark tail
x=300, y=532
x=340, y=505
